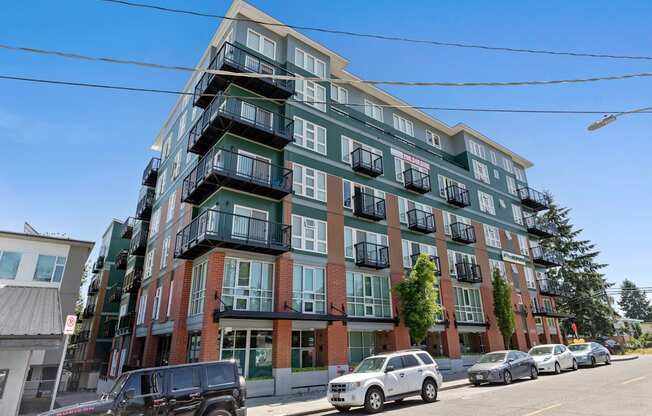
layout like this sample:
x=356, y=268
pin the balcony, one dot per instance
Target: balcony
x=549, y=311
x=127, y=228
x=535, y=200
x=232, y=115
x=83, y=336
x=546, y=258
x=89, y=311
x=371, y=255
x=108, y=331
x=99, y=264
x=138, y=244
x=434, y=259
x=536, y=226
x=132, y=281
x=365, y=162
x=115, y=294
x=222, y=167
x=416, y=181
x=457, y=196
x=125, y=323
x=368, y=206
x=235, y=59
x=548, y=287
x=94, y=286
x=144, y=207
x=214, y=228
x=468, y=272
x=421, y=221
x=150, y=174
x=462, y=233
x=121, y=260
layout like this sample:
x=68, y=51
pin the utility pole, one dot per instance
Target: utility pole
x=69, y=329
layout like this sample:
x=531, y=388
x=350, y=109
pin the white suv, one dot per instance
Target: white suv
x=385, y=377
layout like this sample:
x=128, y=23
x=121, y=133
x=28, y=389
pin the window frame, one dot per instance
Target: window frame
x=306, y=127
x=300, y=186
x=261, y=42
x=371, y=109
x=492, y=236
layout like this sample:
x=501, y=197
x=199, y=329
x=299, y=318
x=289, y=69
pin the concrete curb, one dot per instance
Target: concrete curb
x=329, y=408
x=615, y=360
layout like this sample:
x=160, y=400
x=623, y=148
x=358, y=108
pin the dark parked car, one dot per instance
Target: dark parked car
x=503, y=367
x=613, y=346
x=590, y=353
x=201, y=389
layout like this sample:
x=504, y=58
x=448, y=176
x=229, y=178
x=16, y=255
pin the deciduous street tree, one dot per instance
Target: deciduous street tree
x=502, y=291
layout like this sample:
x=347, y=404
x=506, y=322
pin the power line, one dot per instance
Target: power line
x=384, y=37
x=174, y=92
x=120, y=61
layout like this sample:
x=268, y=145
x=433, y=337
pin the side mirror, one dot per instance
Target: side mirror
x=389, y=368
x=129, y=395
x=511, y=360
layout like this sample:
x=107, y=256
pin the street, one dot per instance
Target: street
x=618, y=390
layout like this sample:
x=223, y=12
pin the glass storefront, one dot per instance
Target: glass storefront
x=303, y=349
x=251, y=349
x=361, y=345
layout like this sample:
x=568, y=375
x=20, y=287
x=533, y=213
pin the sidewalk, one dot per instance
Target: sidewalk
x=616, y=358
x=306, y=404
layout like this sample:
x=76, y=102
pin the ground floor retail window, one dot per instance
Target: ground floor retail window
x=361, y=345
x=303, y=349
x=368, y=295
x=472, y=343
x=163, y=352
x=194, y=347
x=251, y=349
x=248, y=285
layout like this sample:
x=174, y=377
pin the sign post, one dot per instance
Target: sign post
x=68, y=330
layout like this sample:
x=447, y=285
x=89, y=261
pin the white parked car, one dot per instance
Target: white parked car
x=553, y=358
x=386, y=377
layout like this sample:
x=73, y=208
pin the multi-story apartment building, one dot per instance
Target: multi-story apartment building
x=285, y=210
x=89, y=350
x=39, y=286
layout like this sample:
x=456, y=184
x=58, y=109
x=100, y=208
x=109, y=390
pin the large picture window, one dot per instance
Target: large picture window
x=9, y=262
x=248, y=285
x=309, y=289
x=49, y=268
x=197, y=289
x=309, y=182
x=309, y=234
x=251, y=349
x=311, y=94
x=309, y=135
x=303, y=349
x=368, y=295
x=361, y=345
x=468, y=306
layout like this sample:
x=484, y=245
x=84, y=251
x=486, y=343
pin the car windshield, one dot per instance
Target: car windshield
x=494, y=357
x=541, y=351
x=370, y=365
x=579, y=347
x=119, y=384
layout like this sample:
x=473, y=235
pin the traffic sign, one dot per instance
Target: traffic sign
x=69, y=328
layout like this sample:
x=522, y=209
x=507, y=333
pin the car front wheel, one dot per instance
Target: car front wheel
x=374, y=400
x=593, y=362
x=575, y=366
x=608, y=360
x=557, y=368
x=429, y=391
x=507, y=377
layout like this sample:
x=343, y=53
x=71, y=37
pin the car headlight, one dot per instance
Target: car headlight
x=355, y=385
x=547, y=358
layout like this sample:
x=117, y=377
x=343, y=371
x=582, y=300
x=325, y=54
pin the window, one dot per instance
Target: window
x=197, y=289
x=468, y=305
x=311, y=93
x=477, y=149
x=502, y=204
x=486, y=203
x=405, y=205
x=170, y=297
x=309, y=289
x=349, y=145
x=142, y=306
x=157, y=303
x=349, y=188
x=450, y=218
x=165, y=149
x=401, y=165
x=339, y=94
x=496, y=174
x=248, y=285
x=165, y=252
x=480, y=171
x=309, y=182
x=517, y=213
x=156, y=218
x=455, y=257
x=411, y=248
x=309, y=234
x=433, y=139
x=515, y=275
x=373, y=110
x=149, y=262
x=368, y=296
x=493, y=157
x=444, y=182
x=492, y=236
x=361, y=345
x=497, y=264
x=353, y=236
x=194, y=347
x=218, y=374
x=409, y=360
x=508, y=165
x=403, y=125
x=184, y=378
x=425, y=358
x=523, y=245
x=172, y=200
x=176, y=167
x=309, y=135
x=49, y=268
x=529, y=278
x=251, y=349
x=4, y=376
x=261, y=44
x=9, y=262
x=511, y=185
x=309, y=63
x=303, y=349
x=520, y=174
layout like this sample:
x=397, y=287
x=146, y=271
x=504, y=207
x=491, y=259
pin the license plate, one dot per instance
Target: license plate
x=480, y=377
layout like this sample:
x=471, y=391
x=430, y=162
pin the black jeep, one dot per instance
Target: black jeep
x=201, y=389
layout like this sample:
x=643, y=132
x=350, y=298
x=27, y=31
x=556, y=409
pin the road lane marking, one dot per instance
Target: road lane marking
x=536, y=412
x=633, y=380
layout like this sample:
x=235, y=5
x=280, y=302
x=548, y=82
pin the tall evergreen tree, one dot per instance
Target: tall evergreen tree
x=586, y=300
x=503, y=311
x=633, y=301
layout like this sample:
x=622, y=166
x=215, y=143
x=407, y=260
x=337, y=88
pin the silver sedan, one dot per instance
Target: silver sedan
x=503, y=367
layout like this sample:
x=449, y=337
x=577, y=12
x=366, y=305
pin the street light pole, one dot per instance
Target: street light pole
x=607, y=119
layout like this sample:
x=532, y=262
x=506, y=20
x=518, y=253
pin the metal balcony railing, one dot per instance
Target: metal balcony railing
x=543, y=310
x=150, y=174
x=457, y=196
x=115, y=293
x=233, y=115
x=213, y=228
x=98, y=264
x=368, y=206
x=549, y=287
x=416, y=180
x=422, y=221
x=536, y=226
x=544, y=257
x=138, y=243
x=94, y=286
x=371, y=255
x=535, y=200
x=367, y=162
x=233, y=58
x=121, y=259
x=127, y=228
x=468, y=272
x=434, y=259
x=132, y=281
x=145, y=204
x=125, y=323
x=221, y=167
x=462, y=233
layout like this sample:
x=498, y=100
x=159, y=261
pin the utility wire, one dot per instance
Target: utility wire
x=78, y=56
x=174, y=92
x=383, y=37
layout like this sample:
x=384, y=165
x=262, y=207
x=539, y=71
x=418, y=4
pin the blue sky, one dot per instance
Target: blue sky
x=71, y=157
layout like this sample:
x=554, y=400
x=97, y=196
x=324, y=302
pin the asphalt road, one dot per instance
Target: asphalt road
x=622, y=389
